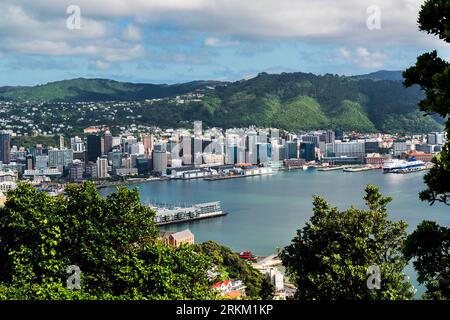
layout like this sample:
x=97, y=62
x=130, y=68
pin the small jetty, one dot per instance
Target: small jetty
x=332, y=168
x=361, y=169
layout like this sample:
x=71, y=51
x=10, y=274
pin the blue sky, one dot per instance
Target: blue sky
x=170, y=41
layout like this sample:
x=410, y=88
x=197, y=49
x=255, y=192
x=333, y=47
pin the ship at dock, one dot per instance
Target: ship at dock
x=165, y=216
x=403, y=166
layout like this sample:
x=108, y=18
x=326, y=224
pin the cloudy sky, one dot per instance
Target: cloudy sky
x=170, y=41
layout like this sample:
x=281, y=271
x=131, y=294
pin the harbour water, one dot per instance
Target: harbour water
x=265, y=211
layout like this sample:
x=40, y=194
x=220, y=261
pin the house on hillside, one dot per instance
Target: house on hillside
x=176, y=239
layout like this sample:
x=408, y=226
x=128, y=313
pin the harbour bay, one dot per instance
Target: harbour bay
x=265, y=211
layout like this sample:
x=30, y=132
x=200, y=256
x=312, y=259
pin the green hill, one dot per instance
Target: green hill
x=292, y=101
x=98, y=90
x=300, y=101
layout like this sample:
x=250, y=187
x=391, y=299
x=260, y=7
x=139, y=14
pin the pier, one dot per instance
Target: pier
x=200, y=211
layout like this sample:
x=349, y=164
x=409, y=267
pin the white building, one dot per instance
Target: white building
x=102, y=168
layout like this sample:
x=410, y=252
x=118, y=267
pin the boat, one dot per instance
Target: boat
x=305, y=167
x=246, y=255
x=396, y=165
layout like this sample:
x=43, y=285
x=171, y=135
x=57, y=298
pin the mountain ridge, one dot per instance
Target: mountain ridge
x=292, y=101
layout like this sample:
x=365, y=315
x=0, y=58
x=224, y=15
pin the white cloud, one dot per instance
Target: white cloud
x=216, y=42
x=314, y=20
x=132, y=33
x=364, y=58
x=101, y=65
x=39, y=27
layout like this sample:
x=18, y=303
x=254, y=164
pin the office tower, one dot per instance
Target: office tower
x=399, y=147
x=198, y=129
x=77, y=144
x=94, y=147
x=102, y=168
x=291, y=150
x=307, y=151
x=252, y=149
x=263, y=152
x=61, y=142
x=198, y=150
x=60, y=158
x=40, y=162
x=5, y=147
x=328, y=137
x=147, y=140
x=372, y=146
x=435, y=138
x=186, y=149
x=160, y=160
x=108, y=142
x=311, y=138
x=127, y=143
x=76, y=170
x=91, y=170
x=115, y=157
x=142, y=166
x=29, y=164
x=350, y=149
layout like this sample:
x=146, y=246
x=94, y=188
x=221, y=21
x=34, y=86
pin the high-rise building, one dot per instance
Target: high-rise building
x=40, y=162
x=198, y=129
x=77, y=144
x=435, y=138
x=350, y=149
x=372, y=146
x=102, y=168
x=186, y=149
x=61, y=142
x=252, y=156
x=60, y=158
x=160, y=159
x=198, y=150
x=307, y=151
x=115, y=157
x=142, y=166
x=94, y=147
x=108, y=142
x=147, y=140
x=5, y=147
x=76, y=170
x=311, y=138
x=291, y=150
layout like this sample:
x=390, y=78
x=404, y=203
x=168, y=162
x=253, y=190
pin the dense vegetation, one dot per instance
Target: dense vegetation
x=330, y=257
x=429, y=246
x=294, y=101
x=300, y=101
x=231, y=266
x=113, y=241
x=98, y=90
x=432, y=74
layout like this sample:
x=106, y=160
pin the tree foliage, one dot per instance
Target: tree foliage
x=429, y=246
x=432, y=74
x=113, y=241
x=258, y=286
x=329, y=257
